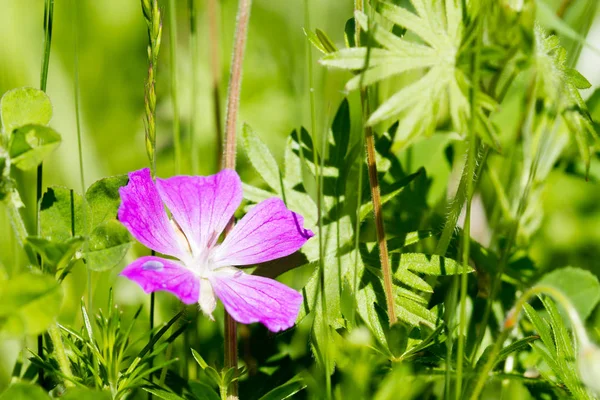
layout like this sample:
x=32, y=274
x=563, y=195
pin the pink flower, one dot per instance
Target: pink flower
x=204, y=269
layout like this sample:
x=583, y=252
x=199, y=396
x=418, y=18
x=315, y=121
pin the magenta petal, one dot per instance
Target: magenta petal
x=202, y=205
x=250, y=298
x=268, y=231
x=143, y=214
x=155, y=273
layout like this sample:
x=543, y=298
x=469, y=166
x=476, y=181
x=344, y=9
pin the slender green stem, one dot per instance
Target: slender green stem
x=194, y=105
x=61, y=356
x=76, y=96
x=48, y=21
x=358, y=6
x=375, y=190
x=215, y=70
x=318, y=176
x=512, y=230
x=470, y=171
x=233, y=104
x=174, y=97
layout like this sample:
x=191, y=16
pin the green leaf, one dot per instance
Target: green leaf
x=24, y=391
x=367, y=208
x=580, y=286
x=431, y=264
x=577, y=79
x=30, y=302
x=30, y=144
x=23, y=106
x=61, y=213
x=261, y=158
x=103, y=198
x=108, y=244
x=202, y=391
x=56, y=255
x=163, y=394
x=285, y=390
x=85, y=394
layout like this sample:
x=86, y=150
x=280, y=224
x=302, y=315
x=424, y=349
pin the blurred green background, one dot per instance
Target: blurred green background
x=112, y=71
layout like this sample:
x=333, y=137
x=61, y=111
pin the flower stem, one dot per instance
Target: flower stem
x=174, y=98
x=233, y=103
x=235, y=81
x=61, y=355
x=376, y=193
x=215, y=70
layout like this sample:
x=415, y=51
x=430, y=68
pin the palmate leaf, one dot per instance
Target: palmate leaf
x=439, y=26
x=342, y=264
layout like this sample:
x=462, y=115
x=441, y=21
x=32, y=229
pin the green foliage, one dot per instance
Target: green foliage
x=440, y=30
x=107, y=357
x=24, y=106
x=581, y=287
x=24, y=391
x=30, y=303
x=65, y=215
x=556, y=349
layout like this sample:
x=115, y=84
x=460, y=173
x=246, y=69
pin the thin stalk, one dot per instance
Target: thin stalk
x=235, y=81
x=75, y=21
x=466, y=242
x=233, y=104
x=174, y=97
x=194, y=105
x=215, y=70
x=61, y=356
x=376, y=195
x=512, y=231
x=319, y=182
x=48, y=20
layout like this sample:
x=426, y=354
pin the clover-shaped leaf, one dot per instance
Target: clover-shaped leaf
x=24, y=106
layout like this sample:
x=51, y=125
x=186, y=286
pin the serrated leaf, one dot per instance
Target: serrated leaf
x=30, y=302
x=261, y=158
x=577, y=79
x=108, y=243
x=431, y=264
x=30, y=144
x=580, y=286
x=397, y=188
x=24, y=106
